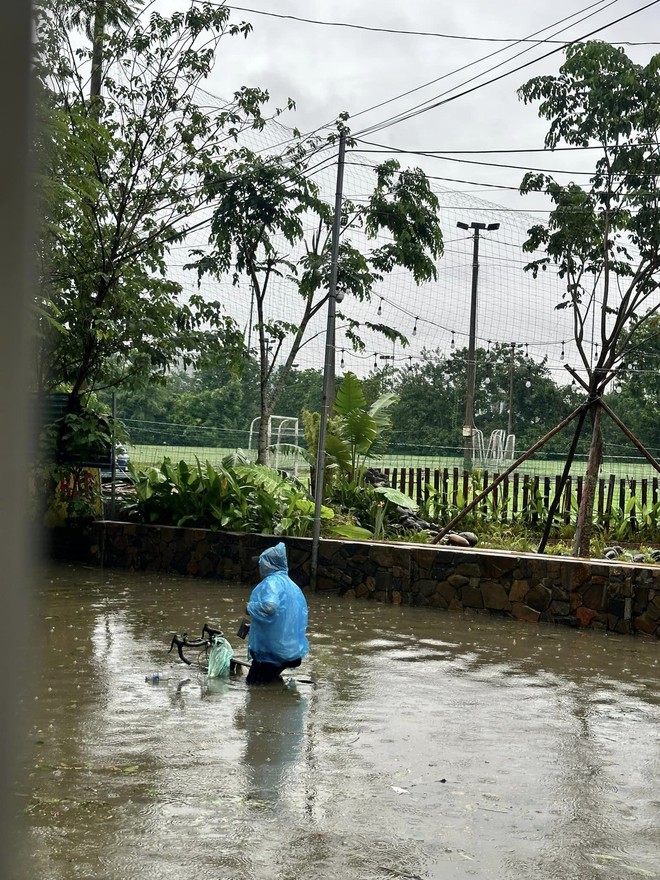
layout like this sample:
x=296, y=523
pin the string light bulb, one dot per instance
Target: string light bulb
x=380, y=306
x=452, y=338
x=410, y=363
x=342, y=359
x=562, y=350
x=414, y=333
x=375, y=360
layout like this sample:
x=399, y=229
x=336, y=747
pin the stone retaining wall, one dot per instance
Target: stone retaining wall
x=622, y=597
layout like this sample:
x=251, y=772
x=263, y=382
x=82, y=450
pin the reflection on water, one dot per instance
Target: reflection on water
x=432, y=745
x=272, y=724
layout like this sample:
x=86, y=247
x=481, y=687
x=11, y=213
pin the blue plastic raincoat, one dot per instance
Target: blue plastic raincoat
x=278, y=612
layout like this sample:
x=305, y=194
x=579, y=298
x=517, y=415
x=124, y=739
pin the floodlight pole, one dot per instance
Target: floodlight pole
x=468, y=424
x=329, y=365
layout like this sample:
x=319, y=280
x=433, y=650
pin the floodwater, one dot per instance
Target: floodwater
x=430, y=745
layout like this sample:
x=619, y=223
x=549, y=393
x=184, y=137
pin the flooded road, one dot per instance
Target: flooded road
x=432, y=745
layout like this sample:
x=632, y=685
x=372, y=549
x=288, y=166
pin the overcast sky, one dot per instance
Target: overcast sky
x=329, y=69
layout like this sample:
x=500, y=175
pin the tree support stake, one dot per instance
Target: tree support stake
x=523, y=458
x=562, y=482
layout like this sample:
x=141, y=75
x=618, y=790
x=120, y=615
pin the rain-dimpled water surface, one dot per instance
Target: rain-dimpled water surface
x=429, y=745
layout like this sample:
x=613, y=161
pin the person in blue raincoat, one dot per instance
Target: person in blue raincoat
x=278, y=619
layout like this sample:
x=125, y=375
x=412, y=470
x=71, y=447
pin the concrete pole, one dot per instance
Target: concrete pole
x=329, y=366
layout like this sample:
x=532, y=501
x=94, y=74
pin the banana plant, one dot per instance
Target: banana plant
x=362, y=429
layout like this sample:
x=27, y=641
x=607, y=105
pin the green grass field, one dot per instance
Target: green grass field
x=637, y=469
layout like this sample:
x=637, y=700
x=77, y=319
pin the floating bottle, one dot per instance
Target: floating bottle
x=155, y=677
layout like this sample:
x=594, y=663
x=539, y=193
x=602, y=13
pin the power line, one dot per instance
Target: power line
x=416, y=111
x=325, y=125
x=632, y=195
x=442, y=154
x=476, y=161
x=489, y=207
x=470, y=64
x=385, y=148
x=449, y=179
x=405, y=32
x=502, y=210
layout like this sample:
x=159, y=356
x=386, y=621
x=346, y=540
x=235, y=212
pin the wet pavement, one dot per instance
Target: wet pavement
x=430, y=745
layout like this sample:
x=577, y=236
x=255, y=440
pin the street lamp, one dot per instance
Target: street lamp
x=468, y=425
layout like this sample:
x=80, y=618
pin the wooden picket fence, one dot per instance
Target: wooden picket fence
x=526, y=495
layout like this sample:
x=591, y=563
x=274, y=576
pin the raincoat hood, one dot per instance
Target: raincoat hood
x=273, y=559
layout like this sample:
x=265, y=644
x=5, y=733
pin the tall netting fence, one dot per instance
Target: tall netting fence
x=513, y=307
x=513, y=310
x=151, y=442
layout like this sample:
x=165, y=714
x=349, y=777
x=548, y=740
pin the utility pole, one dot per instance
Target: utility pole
x=468, y=424
x=329, y=366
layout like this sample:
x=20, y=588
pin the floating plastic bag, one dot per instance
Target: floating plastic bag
x=220, y=656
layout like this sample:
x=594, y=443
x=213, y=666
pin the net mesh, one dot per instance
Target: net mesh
x=512, y=308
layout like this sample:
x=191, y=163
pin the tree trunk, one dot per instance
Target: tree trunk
x=98, y=36
x=582, y=540
x=262, y=441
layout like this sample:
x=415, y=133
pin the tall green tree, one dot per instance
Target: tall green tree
x=260, y=233
x=120, y=181
x=603, y=237
x=95, y=18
